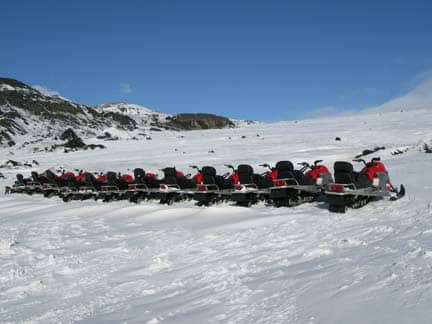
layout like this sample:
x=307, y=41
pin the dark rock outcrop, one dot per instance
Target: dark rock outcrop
x=199, y=121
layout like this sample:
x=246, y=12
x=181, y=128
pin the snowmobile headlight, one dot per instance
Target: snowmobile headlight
x=375, y=182
x=319, y=181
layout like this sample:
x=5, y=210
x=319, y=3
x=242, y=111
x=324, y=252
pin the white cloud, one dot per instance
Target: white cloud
x=45, y=91
x=125, y=87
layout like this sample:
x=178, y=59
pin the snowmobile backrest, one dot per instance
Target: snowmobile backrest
x=245, y=169
x=139, y=173
x=49, y=175
x=170, y=176
x=341, y=166
x=245, y=172
x=90, y=178
x=284, y=165
x=344, y=172
x=208, y=170
x=169, y=172
x=112, y=177
x=284, y=169
x=209, y=174
x=35, y=176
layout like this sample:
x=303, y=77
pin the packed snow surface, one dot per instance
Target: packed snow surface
x=92, y=262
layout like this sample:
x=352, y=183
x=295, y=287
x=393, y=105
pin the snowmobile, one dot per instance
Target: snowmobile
x=116, y=187
x=22, y=185
x=355, y=189
x=249, y=188
x=53, y=184
x=144, y=186
x=175, y=186
x=211, y=188
x=30, y=186
x=81, y=187
x=292, y=187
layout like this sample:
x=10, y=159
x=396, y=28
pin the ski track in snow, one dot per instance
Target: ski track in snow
x=123, y=263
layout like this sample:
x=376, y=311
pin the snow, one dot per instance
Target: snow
x=142, y=115
x=122, y=263
x=6, y=87
x=418, y=98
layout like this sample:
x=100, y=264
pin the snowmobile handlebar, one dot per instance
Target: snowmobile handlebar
x=371, y=162
x=305, y=166
x=360, y=160
x=266, y=165
x=229, y=166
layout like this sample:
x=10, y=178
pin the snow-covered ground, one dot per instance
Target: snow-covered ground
x=123, y=263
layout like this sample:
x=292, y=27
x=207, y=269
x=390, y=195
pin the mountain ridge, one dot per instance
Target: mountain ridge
x=25, y=110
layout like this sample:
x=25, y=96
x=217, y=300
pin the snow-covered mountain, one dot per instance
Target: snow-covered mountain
x=143, y=116
x=28, y=113
x=418, y=98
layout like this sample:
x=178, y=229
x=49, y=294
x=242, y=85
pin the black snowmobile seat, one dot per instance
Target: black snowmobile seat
x=139, y=175
x=90, y=179
x=51, y=178
x=344, y=173
x=170, y=172
x=284, y=165
x=35, y=176
x=20, y=178
x=208, y=170
x=245, y=172
x=71, y=182
x=49, y=175
x=112, y=178
x=209, y=175
x=285, y=169
x=170, y=176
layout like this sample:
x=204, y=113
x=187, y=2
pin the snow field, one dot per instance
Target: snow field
x=119, y=262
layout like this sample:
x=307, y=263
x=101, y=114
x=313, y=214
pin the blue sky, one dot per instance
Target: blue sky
x=265, y=60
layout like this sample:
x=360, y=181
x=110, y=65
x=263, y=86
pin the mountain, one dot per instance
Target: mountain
x=143, y=116
x=146, y=117
x=27, y=111
x=418, y=98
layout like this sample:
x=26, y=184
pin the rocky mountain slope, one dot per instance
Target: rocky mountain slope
x=27, y=111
